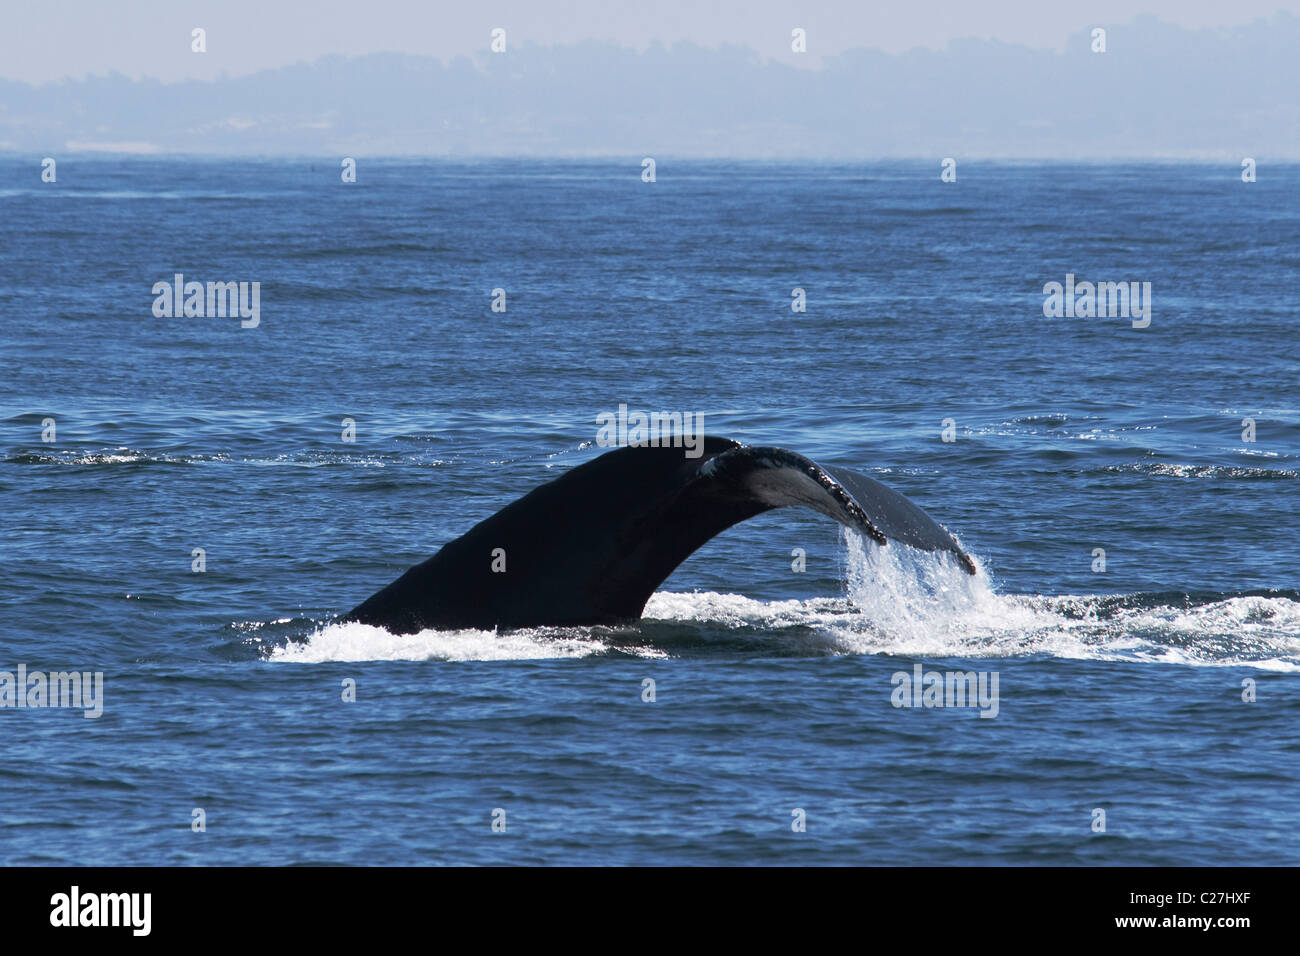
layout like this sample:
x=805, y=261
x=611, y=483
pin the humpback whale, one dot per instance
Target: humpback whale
x=591, y=546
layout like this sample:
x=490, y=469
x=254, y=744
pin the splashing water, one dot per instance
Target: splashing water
x=923, y=604
x=902, y=590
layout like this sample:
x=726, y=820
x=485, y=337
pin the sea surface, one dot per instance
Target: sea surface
x=1156, y=680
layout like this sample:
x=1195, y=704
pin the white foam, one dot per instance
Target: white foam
x=351, y=641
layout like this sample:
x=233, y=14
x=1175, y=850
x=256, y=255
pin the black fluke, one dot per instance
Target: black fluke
x=591, y=546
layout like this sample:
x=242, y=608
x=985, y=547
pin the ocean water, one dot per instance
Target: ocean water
x=1119, y=689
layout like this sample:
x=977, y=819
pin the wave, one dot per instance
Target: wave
x=67, y=192
x=898, y=601
x=130, y=456
x=1218, y=472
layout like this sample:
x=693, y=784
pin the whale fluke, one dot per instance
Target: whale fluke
x=591, y=546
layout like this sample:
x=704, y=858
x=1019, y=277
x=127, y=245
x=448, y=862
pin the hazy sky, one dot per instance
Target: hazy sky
x=40, y=42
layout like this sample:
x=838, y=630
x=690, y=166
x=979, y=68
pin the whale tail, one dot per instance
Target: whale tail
x=591, y=546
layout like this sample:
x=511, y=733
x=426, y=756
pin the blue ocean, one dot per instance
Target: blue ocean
x=190, y=501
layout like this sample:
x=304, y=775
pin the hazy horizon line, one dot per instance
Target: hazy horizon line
x=817, y=64
x=1147, y=91
x=661, y=158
